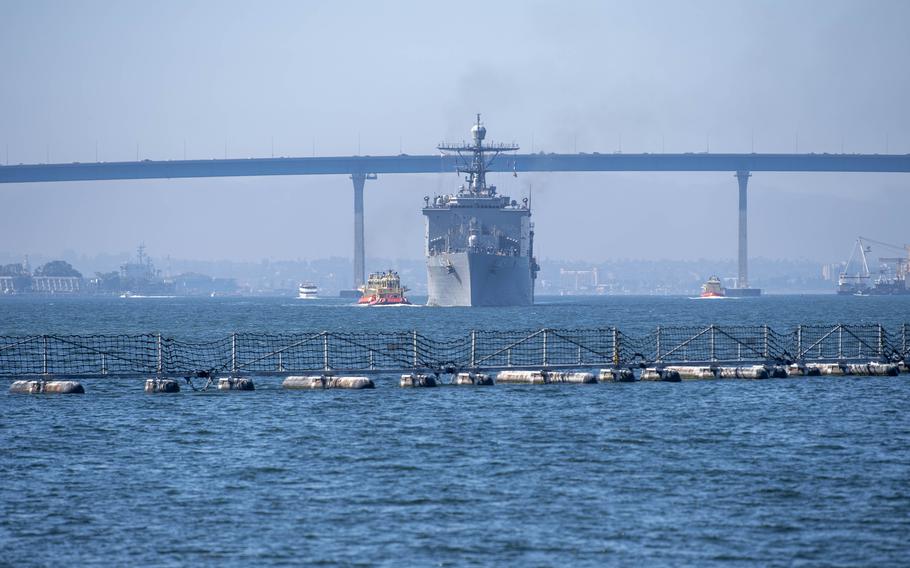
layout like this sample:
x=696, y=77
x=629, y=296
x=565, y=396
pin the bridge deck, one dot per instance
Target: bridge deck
x=404, y=164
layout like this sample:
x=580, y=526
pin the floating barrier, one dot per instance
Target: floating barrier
x=544, y=377
x=473, y=379
x=778, y=372
x=873, y=369
x=161, y=385
x=686, y=372
x=750, y=372
x=522, y=377
x=236, y=383
x=796, y=370
x=46, y=387
x=366, y=352
x=325, y=382
x=665, y=375
x=827, y=369
x=314, y=382
x=575, y=378
x=617, y=375
x=417, y=380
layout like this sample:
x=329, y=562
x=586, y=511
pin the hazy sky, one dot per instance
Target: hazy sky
x=237, y=77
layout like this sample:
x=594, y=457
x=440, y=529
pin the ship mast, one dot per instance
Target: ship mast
x=476, y=164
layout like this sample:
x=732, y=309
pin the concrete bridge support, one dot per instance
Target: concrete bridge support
x=359, y=180
x=742, y=280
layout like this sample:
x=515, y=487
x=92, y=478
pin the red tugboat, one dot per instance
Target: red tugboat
x=383, y=289
x=713, y=288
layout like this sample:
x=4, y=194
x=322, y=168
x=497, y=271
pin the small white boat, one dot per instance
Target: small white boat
x=307, y=291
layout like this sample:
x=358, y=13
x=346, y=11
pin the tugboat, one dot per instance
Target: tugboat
x=713, y=288
x=307, y=291
x=383, y=289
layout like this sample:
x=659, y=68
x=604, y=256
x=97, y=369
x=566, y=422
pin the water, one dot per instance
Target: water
x=808, y=471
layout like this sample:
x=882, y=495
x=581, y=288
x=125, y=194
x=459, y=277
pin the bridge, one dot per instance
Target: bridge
x=361, y=168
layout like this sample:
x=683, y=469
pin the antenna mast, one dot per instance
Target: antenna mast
x=477, y=164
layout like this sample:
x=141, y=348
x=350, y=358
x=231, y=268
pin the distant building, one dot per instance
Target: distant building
x=56, y=284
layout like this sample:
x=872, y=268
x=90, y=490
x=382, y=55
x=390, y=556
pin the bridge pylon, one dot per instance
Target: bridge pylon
x=742, y=280
x=359, y=179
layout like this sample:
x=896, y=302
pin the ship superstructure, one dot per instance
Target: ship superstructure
x=142, y=278
x=479, y=244
x=854, y=280
x=307, y=291
x=893, y=272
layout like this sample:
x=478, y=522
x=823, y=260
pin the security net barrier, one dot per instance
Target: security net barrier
x=713, y=343
x=334, y=352
x=842, y=342
x=543, y=347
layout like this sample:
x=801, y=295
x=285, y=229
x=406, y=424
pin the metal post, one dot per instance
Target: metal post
x=474, y=348
x=767, y=351
x=45, y=355
x=160, y=362
x=713, y=347
x=657, y=355
x=233, y=353
x=615, y=347
x=325, y=351
x=544, y=347
x=416, y=359
x=881, y=341
x=799, y=342
x=280, y=363
x=904, y=341
x=742, y=281
x=840, y=341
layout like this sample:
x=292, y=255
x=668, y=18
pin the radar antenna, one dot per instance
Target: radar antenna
x=476, y=158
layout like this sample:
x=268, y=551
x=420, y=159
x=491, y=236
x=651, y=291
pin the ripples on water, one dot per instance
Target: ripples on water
x=802, y=471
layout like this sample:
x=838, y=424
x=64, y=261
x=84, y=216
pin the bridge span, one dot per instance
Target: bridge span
x=427, y=164
x=361, y=168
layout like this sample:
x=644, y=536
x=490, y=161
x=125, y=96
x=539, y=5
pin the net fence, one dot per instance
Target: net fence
x=268, y=353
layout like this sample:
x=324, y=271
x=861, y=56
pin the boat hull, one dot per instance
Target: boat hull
x=383, y=301
x=479, y=279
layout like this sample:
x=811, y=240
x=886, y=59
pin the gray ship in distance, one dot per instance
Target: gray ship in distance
x=479, y=244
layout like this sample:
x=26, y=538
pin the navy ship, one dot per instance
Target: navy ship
x=479, y=244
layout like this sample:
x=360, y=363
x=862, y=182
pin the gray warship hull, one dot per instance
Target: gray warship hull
x=479, y=279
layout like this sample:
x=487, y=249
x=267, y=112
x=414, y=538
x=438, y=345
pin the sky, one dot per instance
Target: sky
x=167, y=79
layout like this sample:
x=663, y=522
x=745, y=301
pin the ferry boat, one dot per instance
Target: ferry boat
x=307, y=291
x=713, y=288
x=383, y=289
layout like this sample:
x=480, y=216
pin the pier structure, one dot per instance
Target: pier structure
x=362, y=168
